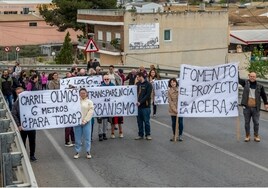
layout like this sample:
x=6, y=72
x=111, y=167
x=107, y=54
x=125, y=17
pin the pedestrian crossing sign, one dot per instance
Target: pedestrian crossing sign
x=91, y=46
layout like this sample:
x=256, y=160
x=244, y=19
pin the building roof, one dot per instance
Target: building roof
x=16, y=33
x=26, y=1
x=19, y=17
x=249, y=36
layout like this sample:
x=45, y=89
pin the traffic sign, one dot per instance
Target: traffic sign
x=17, y=49
x=7, y=49
x=91, y=46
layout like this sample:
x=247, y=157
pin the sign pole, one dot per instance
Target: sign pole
x=7, y=56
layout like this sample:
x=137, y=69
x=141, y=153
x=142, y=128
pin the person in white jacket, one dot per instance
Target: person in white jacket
x=84, y=129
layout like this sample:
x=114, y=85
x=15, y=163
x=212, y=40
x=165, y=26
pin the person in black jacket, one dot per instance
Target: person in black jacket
x=144, y=89
x=6, y=84
x=24, y=134
x=131, y=77
x=251, y=102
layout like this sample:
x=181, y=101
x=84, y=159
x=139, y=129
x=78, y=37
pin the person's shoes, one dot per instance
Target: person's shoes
x=121, y=135
x=69, y=144
x=104, y=137
x=154, y=115
x=88, y=156
x=139, y=138
x=247, y=138
x=112, y=136
x=33, y=159
x=172, y=139
x=148, y=138
x=100, y=137
x=180, y=139
x=257, y=138
x=76, y=156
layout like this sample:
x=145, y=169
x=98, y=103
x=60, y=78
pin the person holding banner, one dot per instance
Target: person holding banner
x=173, y=95
x=117, y=81
x=24, y=134
x=84, y=129
x=103, y=122
x=251, y=102
x=144, y=89
x=152, y=76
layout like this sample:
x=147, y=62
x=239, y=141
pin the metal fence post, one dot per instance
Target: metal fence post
x=4, y=125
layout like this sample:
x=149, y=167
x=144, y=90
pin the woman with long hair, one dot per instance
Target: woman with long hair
x=173, y=94
x=84, y=129
x=152, y=76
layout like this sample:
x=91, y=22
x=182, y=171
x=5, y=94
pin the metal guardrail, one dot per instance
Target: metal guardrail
x=62, y=69
x=16, y=170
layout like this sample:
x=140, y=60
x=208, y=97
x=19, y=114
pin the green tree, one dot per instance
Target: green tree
x=257, y=64
x=65, y=55
x=64, y=15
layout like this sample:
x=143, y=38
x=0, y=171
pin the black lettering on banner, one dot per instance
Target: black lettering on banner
x=218, y=87
x=113, y=92
x=63, y=96
x=32, y=100
x=183, y=111
x=162, y=85
x=33, y=123
x=183, y=91
x=207, y=106
x=54, y=109
x=89, y=81
x=210, y=74
x=79, y=81
x=65, y=81
x=33, y=110
x=233, y=71
x=73, y=118
x=164, y=96
x=114, y=108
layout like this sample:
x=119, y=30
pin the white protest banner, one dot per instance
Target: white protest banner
x=114, y=101
x=49, y=109
x=160, y=91
x=208, y=91
x=80, y=82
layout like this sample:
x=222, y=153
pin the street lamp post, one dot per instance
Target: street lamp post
x=53, y=55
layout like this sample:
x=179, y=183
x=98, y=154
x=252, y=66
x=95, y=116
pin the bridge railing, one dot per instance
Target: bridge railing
x=16, y=170
x=62, y=69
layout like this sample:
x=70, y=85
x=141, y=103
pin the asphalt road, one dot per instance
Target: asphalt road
x=210, y=155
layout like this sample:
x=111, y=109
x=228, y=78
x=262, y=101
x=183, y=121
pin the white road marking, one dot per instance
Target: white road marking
x=217, y=148
x=79, y=175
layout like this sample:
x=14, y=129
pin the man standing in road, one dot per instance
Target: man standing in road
x=251, y=102
x=144, y=89
x=31, y=134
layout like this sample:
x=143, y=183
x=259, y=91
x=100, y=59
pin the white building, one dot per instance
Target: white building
x=142, y=7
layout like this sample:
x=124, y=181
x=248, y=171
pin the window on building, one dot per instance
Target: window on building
x=108, y=36
x=167, y=35
x=118, y=36
x=33, y=24
x=100, y=36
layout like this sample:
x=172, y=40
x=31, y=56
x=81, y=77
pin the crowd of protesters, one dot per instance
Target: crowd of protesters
x=15, y=80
